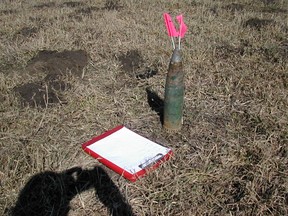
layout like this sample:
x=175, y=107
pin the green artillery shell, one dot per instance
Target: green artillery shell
x=174, y=93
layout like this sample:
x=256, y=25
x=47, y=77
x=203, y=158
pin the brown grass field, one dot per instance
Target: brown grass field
x=71, y=70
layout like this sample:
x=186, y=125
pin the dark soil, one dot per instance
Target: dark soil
x=225, y=51
x=38, y=94
x=234, y=7
x=132, y=64
x=26, y=32
x=268, y=2
x=257, y=23
x=276, y=54
x=87, y=10
x=274, y=10
x=131, y=61
x=36, y=19
x=79, y=13
x=73, y=4
x=148, y=73
x=43, y=94
x=7, y=12
x=53, y=62
x=45, y=5
x=2, y=98
x=113, y=5
x=55, y=83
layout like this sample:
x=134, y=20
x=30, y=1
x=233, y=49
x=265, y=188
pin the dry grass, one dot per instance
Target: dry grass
x=231, y=156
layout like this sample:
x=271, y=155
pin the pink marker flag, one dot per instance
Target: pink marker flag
x=183, y=27
x=170, y=26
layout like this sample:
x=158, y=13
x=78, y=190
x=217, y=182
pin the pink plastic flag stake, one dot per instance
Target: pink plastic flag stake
x=172, y=32
x=183, y=27
x=170, y=26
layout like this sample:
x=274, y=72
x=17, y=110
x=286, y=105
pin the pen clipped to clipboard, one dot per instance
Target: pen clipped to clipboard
x=152, y=161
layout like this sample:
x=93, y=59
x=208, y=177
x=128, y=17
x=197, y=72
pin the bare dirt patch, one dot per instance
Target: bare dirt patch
x=132, y=64
x=45, y=5
x=79, y=13
x=275, y=54
x=225, y=51
x=274, y=9
x=2, y=98
x=42, y=94
x=269, y=2
x=113, y=5
x=109, y=5
x=53, y=62
x=234, y=7
x=8, y=12
x=131, y=61
x=26, y=32
x=73, y=4
x=36, y=95
x=55, y=82
x=257, y=23
x=147, y=73
x=87, y=10
x=56, y=65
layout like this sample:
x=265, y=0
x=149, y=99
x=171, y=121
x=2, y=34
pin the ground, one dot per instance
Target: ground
x=71, y=70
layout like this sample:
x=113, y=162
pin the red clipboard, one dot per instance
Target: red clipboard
x=126, y=152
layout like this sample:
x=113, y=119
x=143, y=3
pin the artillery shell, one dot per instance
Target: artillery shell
x=174, y=93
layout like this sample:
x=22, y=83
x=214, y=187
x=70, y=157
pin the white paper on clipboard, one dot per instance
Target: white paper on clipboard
x=129, y=150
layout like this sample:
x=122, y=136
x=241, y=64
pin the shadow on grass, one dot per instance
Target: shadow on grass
x=156, y=103
x=50, y=193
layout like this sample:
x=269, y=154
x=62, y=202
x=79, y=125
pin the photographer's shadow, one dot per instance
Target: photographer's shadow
x=50, y=193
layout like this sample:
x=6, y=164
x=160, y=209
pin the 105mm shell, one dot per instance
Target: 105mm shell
x=174, y=93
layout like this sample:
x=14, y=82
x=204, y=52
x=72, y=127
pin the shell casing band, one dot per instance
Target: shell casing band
x=174, y=94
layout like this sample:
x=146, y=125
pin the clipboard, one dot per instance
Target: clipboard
x=126, y=152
